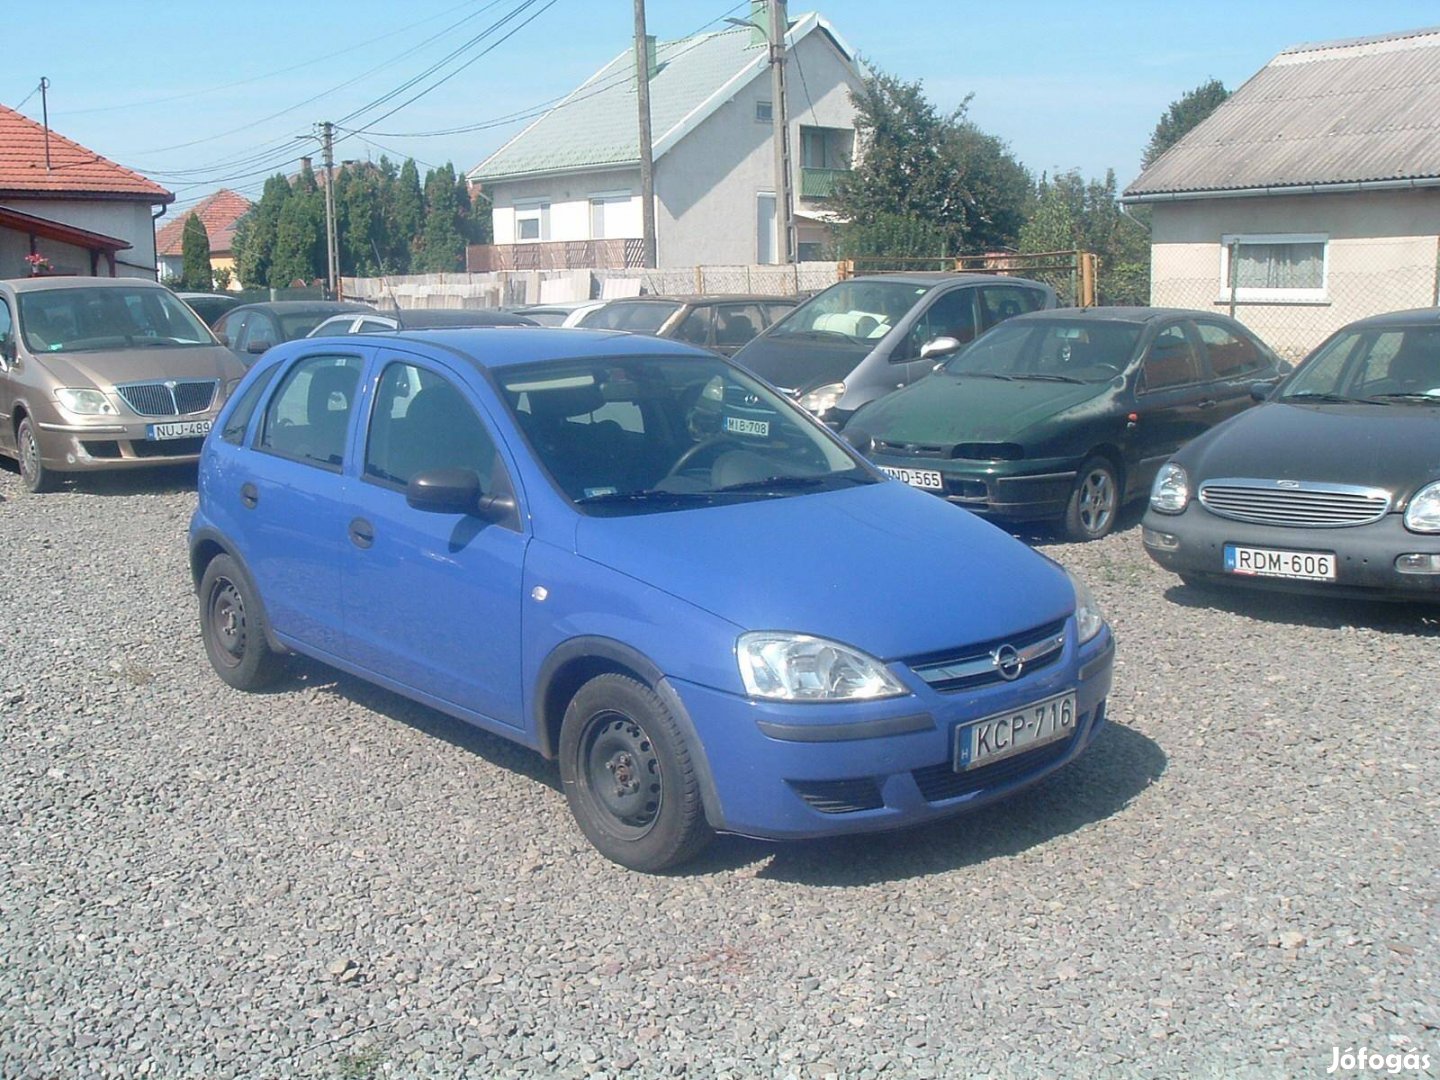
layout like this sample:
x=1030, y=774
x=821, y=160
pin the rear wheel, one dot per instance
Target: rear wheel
x=233, y=628
x=629, y=775
x=1094, y=501
x=33, y=473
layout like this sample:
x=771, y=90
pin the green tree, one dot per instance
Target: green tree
x=405, y=218
x=442, y=244
x=360, y=219
x=1072, y=214
x=1184, y=114
x=255, y=235
x=195, y=252
x=299, y=234
x=961, y=187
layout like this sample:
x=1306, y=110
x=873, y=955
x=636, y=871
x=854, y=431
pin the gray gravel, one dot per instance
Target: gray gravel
x=329, y=881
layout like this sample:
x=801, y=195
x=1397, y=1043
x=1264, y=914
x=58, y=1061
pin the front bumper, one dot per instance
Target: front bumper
x=87, y=447
x=999, y=490
x=794, y=771
x=1364, y=554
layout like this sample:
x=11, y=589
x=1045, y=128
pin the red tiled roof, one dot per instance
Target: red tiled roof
x=219, y=213
x=74, y=170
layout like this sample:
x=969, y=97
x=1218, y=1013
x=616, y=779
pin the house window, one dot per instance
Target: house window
x=824, y=155
x=608, y=215
x=1275, y=267
x=764, y=112
x=532, y=221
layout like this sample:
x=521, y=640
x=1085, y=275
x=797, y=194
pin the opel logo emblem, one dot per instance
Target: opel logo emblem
x=1007, y=662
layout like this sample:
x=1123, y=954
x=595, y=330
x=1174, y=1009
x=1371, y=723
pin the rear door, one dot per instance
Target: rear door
x=432, y=600
x=1001, y=302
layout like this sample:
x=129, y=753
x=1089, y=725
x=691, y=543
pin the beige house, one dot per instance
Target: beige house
x=1311, y=197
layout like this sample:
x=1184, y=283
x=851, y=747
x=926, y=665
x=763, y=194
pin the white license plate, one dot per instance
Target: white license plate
x=1009, y=733
x=928, y=479
x=1277, y=563
x=740, y=426
x=181, y=429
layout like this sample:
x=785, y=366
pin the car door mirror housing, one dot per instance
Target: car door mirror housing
x=1259, y=391
x=938, y=347
x=444, y=491
x=257, y=347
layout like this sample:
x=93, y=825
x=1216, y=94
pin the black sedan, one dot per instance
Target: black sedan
x=250, y=329
x=1064, y=414
x=1332, y=486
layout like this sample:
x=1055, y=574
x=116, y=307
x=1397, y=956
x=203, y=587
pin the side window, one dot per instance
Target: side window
x=735, y=324
x=1170, y=361
x=6, y=331
x=696, y=327
x=230, y=328
x=239, y=418
x=367, y=326
x=951, y=315
x=1231, y=354
x=309, y=415
x=260, y=333
x=422, y=422
x=1000, y=302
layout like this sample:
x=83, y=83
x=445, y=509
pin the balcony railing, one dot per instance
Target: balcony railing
x=819, y=183
x=619, y=254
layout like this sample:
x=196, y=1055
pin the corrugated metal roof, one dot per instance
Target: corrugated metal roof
x=1337, y=112
x=597, y=125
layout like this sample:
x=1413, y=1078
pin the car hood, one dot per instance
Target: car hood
x=1391, y=446
x=884, y=568
x=802, y=363
x=112, y=366
x=948, y=409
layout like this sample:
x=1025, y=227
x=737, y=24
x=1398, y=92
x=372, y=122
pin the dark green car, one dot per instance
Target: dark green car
x=1065, y=414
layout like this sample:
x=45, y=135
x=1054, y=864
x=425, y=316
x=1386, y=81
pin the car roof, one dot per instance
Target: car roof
x=1409, y=317
x=76, y=281
x=416, y=317
x=705, y=298
x=496, y=347
x=941, y=277
x=295, y=307
x=1114, y=314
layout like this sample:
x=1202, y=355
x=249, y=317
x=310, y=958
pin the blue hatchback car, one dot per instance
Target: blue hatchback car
x=637, y=558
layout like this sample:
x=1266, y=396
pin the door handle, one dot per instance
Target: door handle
x=1208, y=403
x=362, y=533
x=249, y=496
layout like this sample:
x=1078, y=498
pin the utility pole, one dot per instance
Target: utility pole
x=647, y=156
x=332, y=249
x=45, y=115
x=784, y=201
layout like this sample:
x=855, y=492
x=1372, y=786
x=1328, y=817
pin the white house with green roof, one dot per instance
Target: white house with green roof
x=566, y=190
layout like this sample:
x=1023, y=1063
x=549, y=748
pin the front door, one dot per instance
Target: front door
x=1170, y=404
x=433, y=600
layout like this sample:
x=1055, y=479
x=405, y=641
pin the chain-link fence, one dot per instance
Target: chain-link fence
x=1072, y=274
x=1357, y=278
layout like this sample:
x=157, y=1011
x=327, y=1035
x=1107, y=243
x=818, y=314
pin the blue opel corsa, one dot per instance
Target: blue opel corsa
x=635, y=557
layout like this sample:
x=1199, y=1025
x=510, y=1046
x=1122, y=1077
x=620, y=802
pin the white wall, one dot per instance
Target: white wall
x=125, y=220
x=569, y=198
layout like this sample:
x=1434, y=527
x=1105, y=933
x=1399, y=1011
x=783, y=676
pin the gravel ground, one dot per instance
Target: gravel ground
x=329, y=881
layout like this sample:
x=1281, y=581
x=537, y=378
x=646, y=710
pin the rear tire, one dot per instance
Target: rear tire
x=234, y=629
x=33, y=473
x=629, y=775
x=1094, y=501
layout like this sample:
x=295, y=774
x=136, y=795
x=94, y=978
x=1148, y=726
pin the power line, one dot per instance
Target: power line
x=27, y=97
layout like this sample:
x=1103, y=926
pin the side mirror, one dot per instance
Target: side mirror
x=444, y=491
x=940, y=346
x=1259, y=391
x=7, y=352
x=257, y=347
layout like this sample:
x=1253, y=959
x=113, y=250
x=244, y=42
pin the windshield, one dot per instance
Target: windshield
x=1066, y=350
x=646, y=434
x=89, y=319
x=853, y=311
x=641, y=317
x=1380, y=364
x=300, y=324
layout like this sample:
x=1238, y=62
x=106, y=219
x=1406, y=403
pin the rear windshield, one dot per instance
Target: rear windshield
x=90, y=319
x=1065, y=350
x=852, y=311
x=640, y=318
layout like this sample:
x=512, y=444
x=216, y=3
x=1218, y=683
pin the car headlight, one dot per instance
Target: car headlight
x=823, y=398
x=85, y=402
x=796, y=667
x=1170, y=493
x=1423, y=513
x=1088, y=619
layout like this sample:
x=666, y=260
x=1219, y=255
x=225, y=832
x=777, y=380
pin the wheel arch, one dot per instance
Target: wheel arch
x=204, y=547
x=1111, y=453
x=574, y=663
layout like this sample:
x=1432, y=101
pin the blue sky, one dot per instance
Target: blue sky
x=200, y=96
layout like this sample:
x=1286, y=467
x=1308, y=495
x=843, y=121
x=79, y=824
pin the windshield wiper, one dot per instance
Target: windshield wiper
x=786, y=483
x=1034, y=377
x=983, y=375
x=645, y=495
x=1316, y=395
x=1413, y=395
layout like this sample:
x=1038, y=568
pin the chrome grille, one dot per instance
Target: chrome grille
x=173, y=398
x=1294, y=503
x=976, y=665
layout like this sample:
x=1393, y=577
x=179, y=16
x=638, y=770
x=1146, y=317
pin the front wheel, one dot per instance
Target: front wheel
x=233, y=628
x=629, y=776
x=33, y=473
x=1094, y=501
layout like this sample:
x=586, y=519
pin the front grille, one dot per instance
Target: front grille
x=1294, y=504
x=169, y=398
x=940, y=782
x=145, y=448
x=974, y=665
x=904, y=449
x=839, y=796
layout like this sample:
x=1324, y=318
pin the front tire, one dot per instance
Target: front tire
x=233, y=628
x=1094, y=501
x=33, y=473
x=629, y=775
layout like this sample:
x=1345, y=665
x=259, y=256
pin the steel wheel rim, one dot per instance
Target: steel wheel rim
x=225, y=614
x=622, y=773
x=29, y=456
x=1097, y=502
